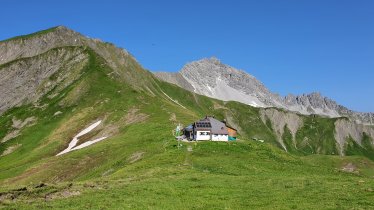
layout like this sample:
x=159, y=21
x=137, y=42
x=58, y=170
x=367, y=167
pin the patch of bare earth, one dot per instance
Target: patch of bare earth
x=350, y=168
x=218, y=106
x=135, y=157
x=41, y=191
x=66, y=131
x=173, y=118
x=133, y=116
x=67, y=193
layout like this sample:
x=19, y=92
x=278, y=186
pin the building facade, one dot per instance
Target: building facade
x=209, y=129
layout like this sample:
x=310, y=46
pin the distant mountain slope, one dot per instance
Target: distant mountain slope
x=212, y=78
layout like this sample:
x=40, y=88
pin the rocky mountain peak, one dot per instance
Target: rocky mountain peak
x=210, y=77
x=37, y=43
x=63, y=28
x=213, y=60
x=213, y=67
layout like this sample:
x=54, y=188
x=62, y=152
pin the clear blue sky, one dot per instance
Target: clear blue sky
x=292, y=46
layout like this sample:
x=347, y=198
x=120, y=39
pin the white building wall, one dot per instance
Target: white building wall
x=220, y=137
x=202, y=135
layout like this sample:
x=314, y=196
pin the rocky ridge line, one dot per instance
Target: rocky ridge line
x=214, y=79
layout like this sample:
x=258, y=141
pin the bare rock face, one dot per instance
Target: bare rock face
x=26, y=80
x=34, y=64
x=345, y=129
x=40, y=42
x=313, y=103
x=211, y=78
x=34, y=45
x=279, y=120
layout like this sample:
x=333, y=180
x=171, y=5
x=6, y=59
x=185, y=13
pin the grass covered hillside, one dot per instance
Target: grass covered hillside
x=139, y=164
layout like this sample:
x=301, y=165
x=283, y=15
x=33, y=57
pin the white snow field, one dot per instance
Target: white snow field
x=75, y=140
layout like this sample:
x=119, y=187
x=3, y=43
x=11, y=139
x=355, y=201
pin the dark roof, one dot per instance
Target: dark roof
x=212, y=124
x=218, y=127
x=203, y=124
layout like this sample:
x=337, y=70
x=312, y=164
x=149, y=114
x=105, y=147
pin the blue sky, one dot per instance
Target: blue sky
x=292, y=46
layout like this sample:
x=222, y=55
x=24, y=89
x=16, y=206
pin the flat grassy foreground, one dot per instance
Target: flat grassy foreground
x=237, y=175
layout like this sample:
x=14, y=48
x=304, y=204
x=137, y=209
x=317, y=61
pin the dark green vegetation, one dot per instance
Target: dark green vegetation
x=140, y=165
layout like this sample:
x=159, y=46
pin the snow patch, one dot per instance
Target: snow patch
x=75, y=140
x=88, y=143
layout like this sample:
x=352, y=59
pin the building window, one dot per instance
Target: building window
x=204, y=133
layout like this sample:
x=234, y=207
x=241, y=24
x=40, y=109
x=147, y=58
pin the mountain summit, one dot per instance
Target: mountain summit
x=214, y=79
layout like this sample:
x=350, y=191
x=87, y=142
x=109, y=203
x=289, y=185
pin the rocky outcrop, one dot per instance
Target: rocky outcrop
x=11, y=149
x=211, y=78
x=34, y=64
x=279, y=120
x=315, y=103
x=117, y=58
x=41, y=42
x=345, y=129
x=312, y=103
x=26, y=80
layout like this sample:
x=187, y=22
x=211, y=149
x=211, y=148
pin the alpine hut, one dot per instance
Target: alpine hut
x=210, y=129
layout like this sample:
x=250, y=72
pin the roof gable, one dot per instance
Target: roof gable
x=218, y=127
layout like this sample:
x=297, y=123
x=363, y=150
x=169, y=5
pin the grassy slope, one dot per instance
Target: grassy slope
x=218, y=175
x=240, y=174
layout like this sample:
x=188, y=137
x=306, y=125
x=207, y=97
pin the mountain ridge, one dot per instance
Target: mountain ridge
x=43, y=64
x=210, y=77
x=14, y=50
x=50, y=71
